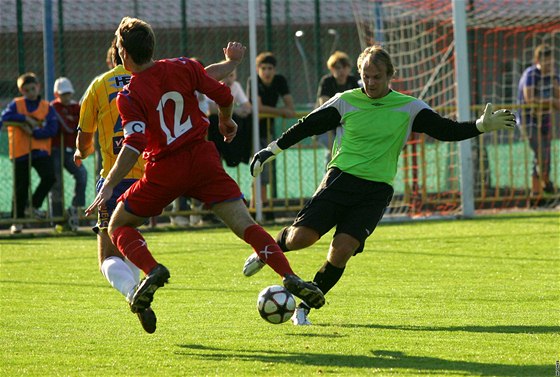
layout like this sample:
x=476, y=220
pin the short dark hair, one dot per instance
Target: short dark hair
x=137, y=38
x=113, y=54
x=27, y=78
x=266, y=58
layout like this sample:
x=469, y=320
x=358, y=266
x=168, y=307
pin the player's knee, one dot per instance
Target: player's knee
x=111, y=230
x=300, y=237
x=106, y=248
x=118, y=219
x=339, y=257
x=342, y=248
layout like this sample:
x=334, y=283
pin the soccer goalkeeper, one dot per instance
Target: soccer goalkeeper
x=376, y=122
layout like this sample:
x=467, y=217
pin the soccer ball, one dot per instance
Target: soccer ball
x=275, y=304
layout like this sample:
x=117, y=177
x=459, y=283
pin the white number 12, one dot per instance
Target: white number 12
x=178, y=127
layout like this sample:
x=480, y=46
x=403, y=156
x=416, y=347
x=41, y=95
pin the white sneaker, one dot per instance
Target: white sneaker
x=73, y=218
x=253, y=264
x=195, y=220
x=16, y=228
x=180, y=221
x=300, y=317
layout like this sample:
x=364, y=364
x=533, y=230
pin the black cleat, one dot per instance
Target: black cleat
x=307, y=291
x=145, y=290
x=148, y=320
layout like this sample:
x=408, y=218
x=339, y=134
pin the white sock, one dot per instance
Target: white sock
x=119, y=275
x=135, y=270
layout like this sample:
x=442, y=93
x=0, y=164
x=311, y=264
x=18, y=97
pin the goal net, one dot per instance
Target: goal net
x=502, y=36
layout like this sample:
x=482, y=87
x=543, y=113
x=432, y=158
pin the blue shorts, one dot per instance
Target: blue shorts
x=104, y=214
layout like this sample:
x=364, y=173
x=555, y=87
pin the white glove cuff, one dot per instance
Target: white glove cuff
x=274, y=148
x=480, y=125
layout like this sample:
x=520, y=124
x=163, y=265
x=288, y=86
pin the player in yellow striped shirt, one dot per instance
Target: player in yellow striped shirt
x=99, y=114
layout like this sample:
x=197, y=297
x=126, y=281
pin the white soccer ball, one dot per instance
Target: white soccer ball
x=275, y=304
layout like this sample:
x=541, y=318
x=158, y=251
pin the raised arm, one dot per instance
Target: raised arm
x=233, y=53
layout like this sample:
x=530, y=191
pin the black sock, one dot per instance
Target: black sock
x=327, y=279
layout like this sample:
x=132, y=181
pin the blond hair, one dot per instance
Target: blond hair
x=339, y=57
x=27, y=78
x=376, y=54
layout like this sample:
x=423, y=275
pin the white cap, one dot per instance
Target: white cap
x=62, y=85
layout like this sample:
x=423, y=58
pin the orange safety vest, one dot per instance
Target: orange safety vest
x=21, y=143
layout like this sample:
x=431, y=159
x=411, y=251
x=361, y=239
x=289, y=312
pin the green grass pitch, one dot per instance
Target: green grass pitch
x=437, y=298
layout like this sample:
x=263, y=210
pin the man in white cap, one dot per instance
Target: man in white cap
x=63, y=147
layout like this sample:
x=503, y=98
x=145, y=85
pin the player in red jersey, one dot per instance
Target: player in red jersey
x=162, y=120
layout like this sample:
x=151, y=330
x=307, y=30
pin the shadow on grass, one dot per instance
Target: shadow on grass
x=315, y=335
x=470, y=256
x=379, y=360
x=508, y=329
x=102, y=284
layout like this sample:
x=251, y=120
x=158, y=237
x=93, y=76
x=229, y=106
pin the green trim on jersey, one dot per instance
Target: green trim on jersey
x=373, y=133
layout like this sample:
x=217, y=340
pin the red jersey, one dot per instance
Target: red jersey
x=159, y=107
x=68, y=117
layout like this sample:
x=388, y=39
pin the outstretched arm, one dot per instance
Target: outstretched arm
x=316, y=123
x=431, y=123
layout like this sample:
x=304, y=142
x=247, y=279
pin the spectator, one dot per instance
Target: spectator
x=271, y=87
x=63, y=146
x=31, y=123
x=539, y=87
x=339, y=80
x=239, y=150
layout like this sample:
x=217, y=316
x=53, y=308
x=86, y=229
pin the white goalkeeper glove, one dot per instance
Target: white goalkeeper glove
x=264, y=156
x=492, y=121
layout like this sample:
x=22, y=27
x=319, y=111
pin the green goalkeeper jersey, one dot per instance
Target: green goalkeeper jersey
x=373, y=133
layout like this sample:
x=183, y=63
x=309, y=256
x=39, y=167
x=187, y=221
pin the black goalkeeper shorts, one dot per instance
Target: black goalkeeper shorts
x=354, y=205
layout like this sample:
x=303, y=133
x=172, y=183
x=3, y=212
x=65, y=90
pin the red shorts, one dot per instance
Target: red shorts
x=194, y=172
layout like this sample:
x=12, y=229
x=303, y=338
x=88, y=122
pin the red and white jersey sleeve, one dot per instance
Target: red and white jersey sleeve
x=159, y=108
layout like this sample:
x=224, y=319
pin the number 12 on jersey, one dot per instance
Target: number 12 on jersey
x=178, y=127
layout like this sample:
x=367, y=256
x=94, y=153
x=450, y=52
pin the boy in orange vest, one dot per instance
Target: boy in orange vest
x=31, y=123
